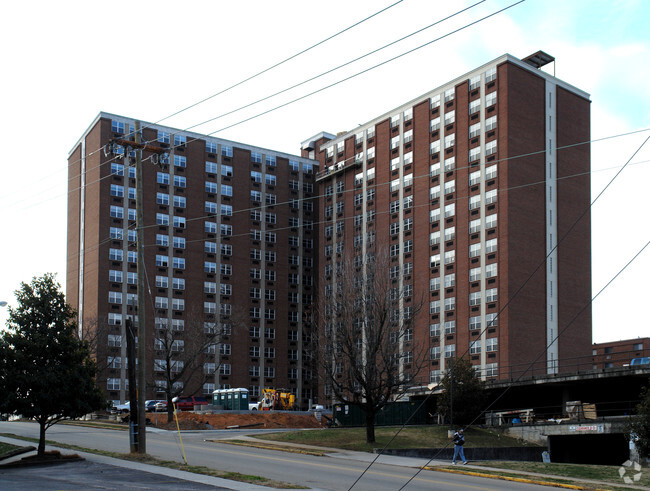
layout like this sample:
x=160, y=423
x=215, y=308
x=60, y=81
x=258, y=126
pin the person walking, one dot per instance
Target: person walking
x=459, y=441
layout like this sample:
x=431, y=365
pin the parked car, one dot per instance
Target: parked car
x=188, y=403
x=122, y=408
x=152, y=405
x=161, y=406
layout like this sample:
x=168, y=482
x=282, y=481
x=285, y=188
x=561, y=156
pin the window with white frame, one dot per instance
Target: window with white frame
x=475, y=250
x=491, y=294
x=490, y=172
x=474, y=154
x=450, y=233
x=434, y=284
x=450, y=280
x=434, y=306
x=434, y=169
x=474, y=106
x=434, y=215
x=490, y=246
x=490, y=123
x=491, y=320
x=475, y=273
x=450, y=304
x=475, y=322
x=434, y=238
x=394, y=142
x=491, y=344
x=450, y=209
x=434, y=260
x=474, y=226
x=475, y=347
x=450, y=256
x=491, y=147
x=450, y=94
x=434, y=147
x=450, y=186
x=491, y=221
x=474, y=202
x=394, y=120
x=435, y=101
x=450, y=117
x=490, y=99
x=450, y=351
x=450, y=164
x=450, y=140
x=408, y=136
x=475, y=298
x=475, y=177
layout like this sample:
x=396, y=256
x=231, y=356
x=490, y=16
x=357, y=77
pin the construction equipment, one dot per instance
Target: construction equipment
x=277, y=399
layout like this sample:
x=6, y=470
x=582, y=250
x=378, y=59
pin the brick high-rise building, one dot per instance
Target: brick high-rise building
x=468, y=189
x=229, y=238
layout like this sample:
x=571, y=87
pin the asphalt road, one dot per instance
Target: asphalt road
x=339, y=471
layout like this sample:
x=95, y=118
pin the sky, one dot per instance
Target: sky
x=64, y=62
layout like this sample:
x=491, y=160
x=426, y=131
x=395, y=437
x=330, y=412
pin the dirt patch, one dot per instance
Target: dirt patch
x=261, y=419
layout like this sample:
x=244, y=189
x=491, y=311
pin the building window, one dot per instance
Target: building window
x=490, y=99
x=450, y=117
x=450, y=351
x=475, y=347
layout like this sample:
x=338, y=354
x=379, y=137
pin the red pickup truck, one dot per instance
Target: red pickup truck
x=188, y=403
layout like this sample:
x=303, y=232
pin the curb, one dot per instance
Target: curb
x=317, y=453
x=514, y=479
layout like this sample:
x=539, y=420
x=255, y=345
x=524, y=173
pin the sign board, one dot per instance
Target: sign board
x=587, y=428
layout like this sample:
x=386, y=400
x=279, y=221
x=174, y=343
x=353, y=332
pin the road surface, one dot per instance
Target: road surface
x=338, y=471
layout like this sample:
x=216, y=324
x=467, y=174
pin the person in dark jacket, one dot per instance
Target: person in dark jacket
x=459, y=441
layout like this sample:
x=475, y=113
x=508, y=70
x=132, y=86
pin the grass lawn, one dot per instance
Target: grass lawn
x=5, y=448
x=607, y=473
x=408, y=437
x=147, y=459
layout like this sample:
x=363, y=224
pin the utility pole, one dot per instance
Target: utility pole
x=139, y=428
x=133, y=394
x=142, y=336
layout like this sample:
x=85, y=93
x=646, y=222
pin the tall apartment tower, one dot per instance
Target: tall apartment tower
x=230, y=236
x=479, y=193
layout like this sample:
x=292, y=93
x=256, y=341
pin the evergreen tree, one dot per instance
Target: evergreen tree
x=462, y=394
x=46, y=372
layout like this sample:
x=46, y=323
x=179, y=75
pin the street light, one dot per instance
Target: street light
x=3, y=303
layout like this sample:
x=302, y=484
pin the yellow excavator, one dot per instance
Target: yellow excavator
x=280, y=399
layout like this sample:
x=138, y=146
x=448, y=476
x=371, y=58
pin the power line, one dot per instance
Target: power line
x=247, y=79
x=423, y=176
x=331, y=70
x=148, y=125
x=520, y=288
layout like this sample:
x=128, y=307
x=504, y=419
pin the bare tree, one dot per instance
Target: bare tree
x=186, y=358
x=94, y=332
x=366, y=354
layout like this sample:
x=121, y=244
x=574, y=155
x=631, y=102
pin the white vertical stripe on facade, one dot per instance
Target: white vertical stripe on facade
x=82, y=225
x=551, y=230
